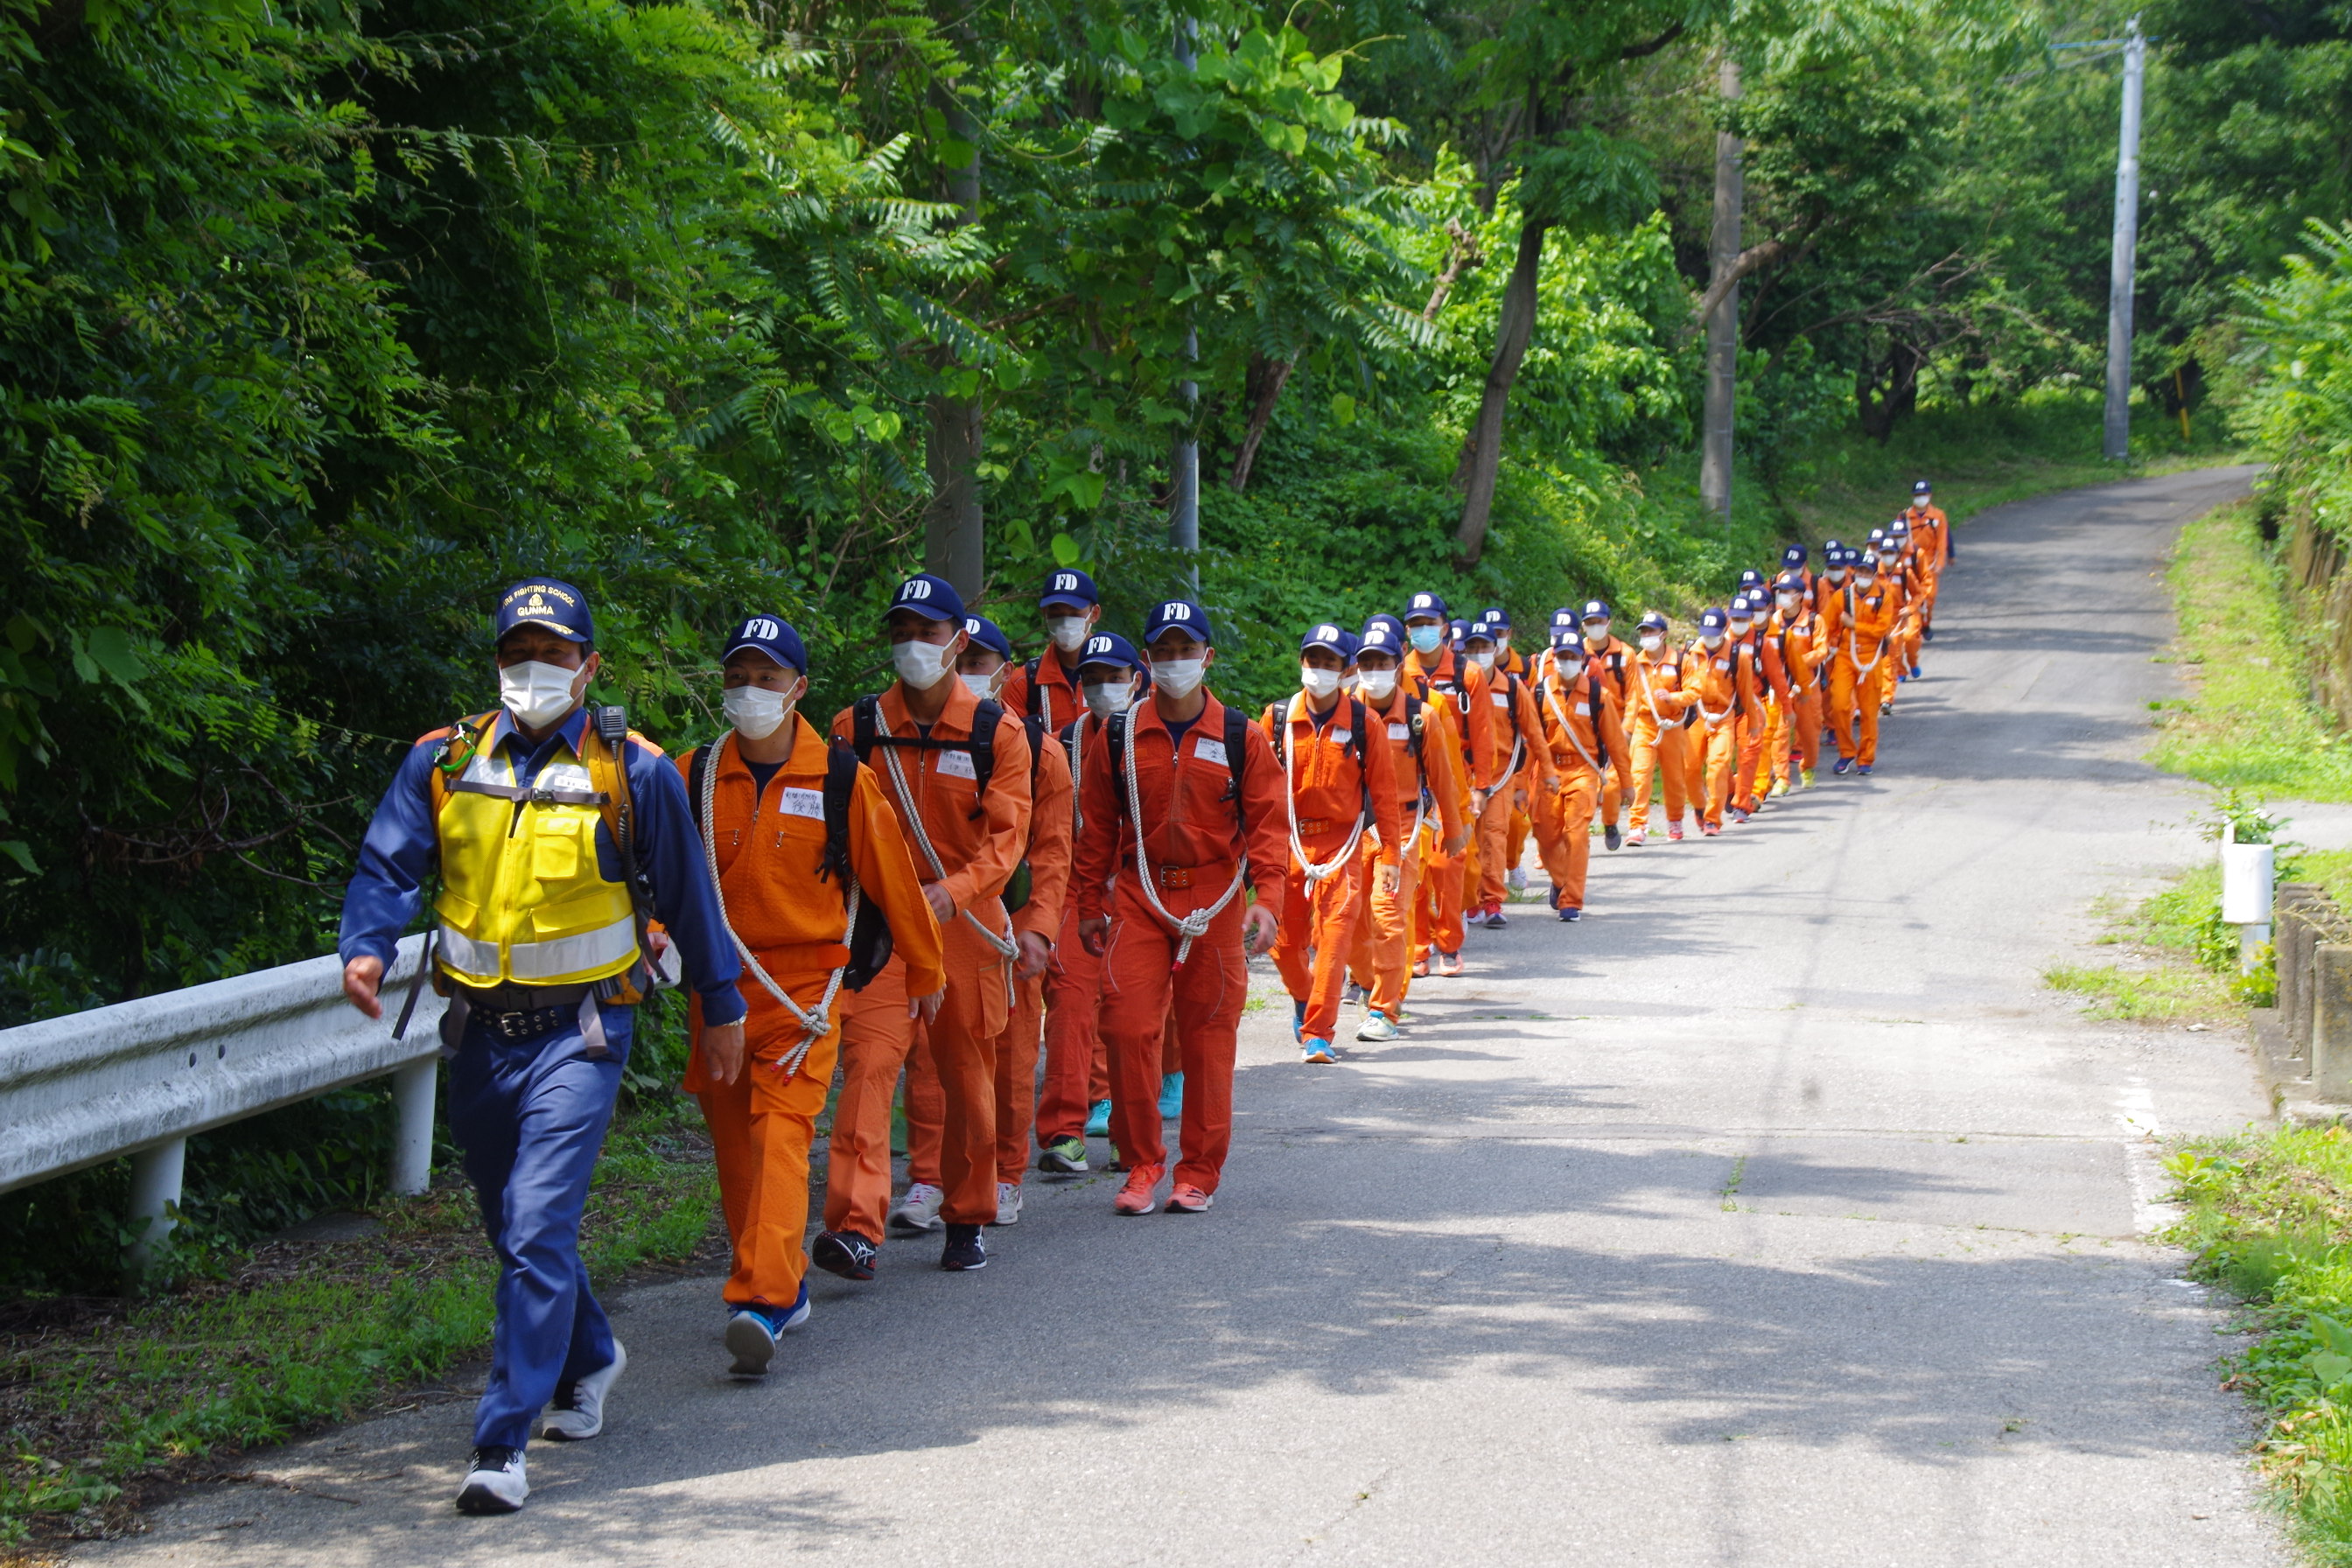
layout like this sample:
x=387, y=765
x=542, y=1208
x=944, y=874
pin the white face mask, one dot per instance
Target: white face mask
x=1317, y=682
x=1068, y=632
x=1653, y=641
x=539, y=694
x=1178, y=677
x=1740, y=628
x=1787, y=601
x=1109, y=698
x=921, y=664
x=1379, y=684
x=981, y=687
x=1712, y=639
x=1837, y=574
x=1503, y=641
x=755, y=710
x=1484, y=660
x=1596, y=632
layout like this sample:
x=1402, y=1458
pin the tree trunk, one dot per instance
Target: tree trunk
x=1482, y=454
x=1263, y=388
x=954, y=533
x=1723, y=320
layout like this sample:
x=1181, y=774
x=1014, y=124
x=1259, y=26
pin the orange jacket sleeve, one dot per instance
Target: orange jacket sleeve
x=1539, y=764
x=1441, y=758
x=884, y=864
x=1380, y=779
x=1101, y=799
x=1005, y=823
x=1049, y=846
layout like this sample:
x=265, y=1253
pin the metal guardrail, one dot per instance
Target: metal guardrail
x=139, y=1078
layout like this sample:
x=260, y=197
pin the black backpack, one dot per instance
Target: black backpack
x=1236, y=743
x=1357, y=718
x=869, y=938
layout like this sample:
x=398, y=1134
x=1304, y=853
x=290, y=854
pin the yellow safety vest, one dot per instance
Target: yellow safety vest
x=523, y=896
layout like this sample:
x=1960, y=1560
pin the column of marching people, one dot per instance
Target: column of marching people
x=1013, y=901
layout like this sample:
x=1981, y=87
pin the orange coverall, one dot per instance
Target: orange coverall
x=1583, y=737
x=1194, y=839
x=1714, y=678
x=1858, y=669
x=1764, y=692
x=1612, y=655
x=1059, y=701
x=1381, y=958
x=1445, y=877
x=1330, y=791
x=1797, y=726
x=1077, y=1073
x=978, y=842
x=1657, y=737
x=1931, y=529
x=1516, y=727
x=1016, y=1048
x=762, y=1124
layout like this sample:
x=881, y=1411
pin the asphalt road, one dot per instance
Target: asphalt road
x=1774, y=1215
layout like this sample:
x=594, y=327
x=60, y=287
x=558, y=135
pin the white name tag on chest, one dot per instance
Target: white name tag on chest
x=1341, y=737
x=1210, y=751
x=957, y=765
x=1585, y=709
x=1499, y=699
x=1400, y=732
x=808, y=803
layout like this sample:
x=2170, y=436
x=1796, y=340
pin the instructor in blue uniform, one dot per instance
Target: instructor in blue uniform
x=558, y=835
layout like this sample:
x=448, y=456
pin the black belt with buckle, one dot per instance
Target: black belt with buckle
x=528, y=1025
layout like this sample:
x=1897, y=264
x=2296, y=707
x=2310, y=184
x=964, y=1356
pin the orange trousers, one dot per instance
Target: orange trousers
x=1853, y=700
x=1713, y=753
x=1754, y=730
x=875, y=1037
x=762, y=1128
x=1016, y=1093
x=1612, y=790
x=1437, y=914
x=1379, y=957
x=1320, y=920
x=1077, y=1072
x=1564, y=833
x=1522, y=825
x=1657, y=763
x=1142, y=990
x=1494, y=841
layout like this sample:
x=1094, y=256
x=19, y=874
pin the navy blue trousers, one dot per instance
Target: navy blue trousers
x=529, y=1117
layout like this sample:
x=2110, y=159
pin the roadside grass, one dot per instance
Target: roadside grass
x=2250, y=722
x=105, y=1399
x=2270, y=1219
x=2188, y=968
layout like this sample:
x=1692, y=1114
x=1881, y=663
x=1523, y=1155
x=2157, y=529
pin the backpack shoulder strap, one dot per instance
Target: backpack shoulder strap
x=698, y=769
x=841, y=767
x=460, y=742
x=1035, y=724
x=1032, y=699
x=1278, y=731
x=985, y=717
x=1236, y=748
x=864, y=716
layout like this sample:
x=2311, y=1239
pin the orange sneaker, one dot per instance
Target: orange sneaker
x=1189, y=1199
x=1136, y=1196
x=1421, y=969
x=1448, y=964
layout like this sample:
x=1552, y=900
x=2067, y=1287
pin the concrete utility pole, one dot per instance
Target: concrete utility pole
x=1185, y=511
x=1723, y=322
x=2121, y=258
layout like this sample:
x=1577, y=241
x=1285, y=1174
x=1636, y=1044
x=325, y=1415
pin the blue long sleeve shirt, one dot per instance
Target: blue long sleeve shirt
x=403, y=845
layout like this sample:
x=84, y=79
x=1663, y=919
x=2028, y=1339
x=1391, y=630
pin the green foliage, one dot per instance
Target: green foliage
x=2297, y=399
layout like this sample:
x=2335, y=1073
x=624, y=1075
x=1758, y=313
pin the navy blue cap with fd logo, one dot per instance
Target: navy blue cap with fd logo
x=1564, y=617
x=1497, y=616
x=1067, y=588
x=1713, y=620
x=1325, y=636
x=1176, y=614
x=1596, y=609
x=544, y=601
x=771, y=634
x=1382, y=634
x=929, y=596
x=1922, y=488
x=1793, y=556
x=985, y=633
x=1109, y=647
x=1424, y=606
x=1567, y=637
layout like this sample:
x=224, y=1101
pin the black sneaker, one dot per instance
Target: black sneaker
x=964, y=1249
x=844, y=1252
x=494, y=1481
x=1610, y=835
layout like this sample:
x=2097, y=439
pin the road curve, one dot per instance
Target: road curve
x=1773, y=1214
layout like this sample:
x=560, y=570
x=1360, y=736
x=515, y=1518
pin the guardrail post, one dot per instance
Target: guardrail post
x=412, y=1148
x=2248, y=871
x=155, y=1176
x=2331, y=1022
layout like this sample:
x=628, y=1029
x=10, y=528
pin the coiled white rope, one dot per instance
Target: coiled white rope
x=1192, y=927
x=816, y=1023
x=1314, y=871
x=1551, y=696
x=1007, y=945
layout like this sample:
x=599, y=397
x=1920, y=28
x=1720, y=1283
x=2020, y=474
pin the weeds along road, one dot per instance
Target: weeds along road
x=1774, y=1215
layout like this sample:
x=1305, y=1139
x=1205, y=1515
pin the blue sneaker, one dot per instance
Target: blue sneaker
x=752, y=1330
x=1914, y=672
x=1844, y=764
x=1864, y=770
x=1099, y=1119
x=1317, y=1053
x=1172, y=1095
x=1298, y=1021
x=1571, y=916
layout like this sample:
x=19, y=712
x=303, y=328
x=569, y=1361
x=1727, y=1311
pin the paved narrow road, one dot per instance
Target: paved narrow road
x=1775, y=1214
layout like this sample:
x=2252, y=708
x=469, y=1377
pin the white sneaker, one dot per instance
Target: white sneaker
x=1376, y=1026
x=1008, y=1203
x=586, y=1417
x=1517, y=880
x=494, y=1482
x=919, y=1211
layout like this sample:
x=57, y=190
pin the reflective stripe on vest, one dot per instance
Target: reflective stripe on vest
x=523, y=896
